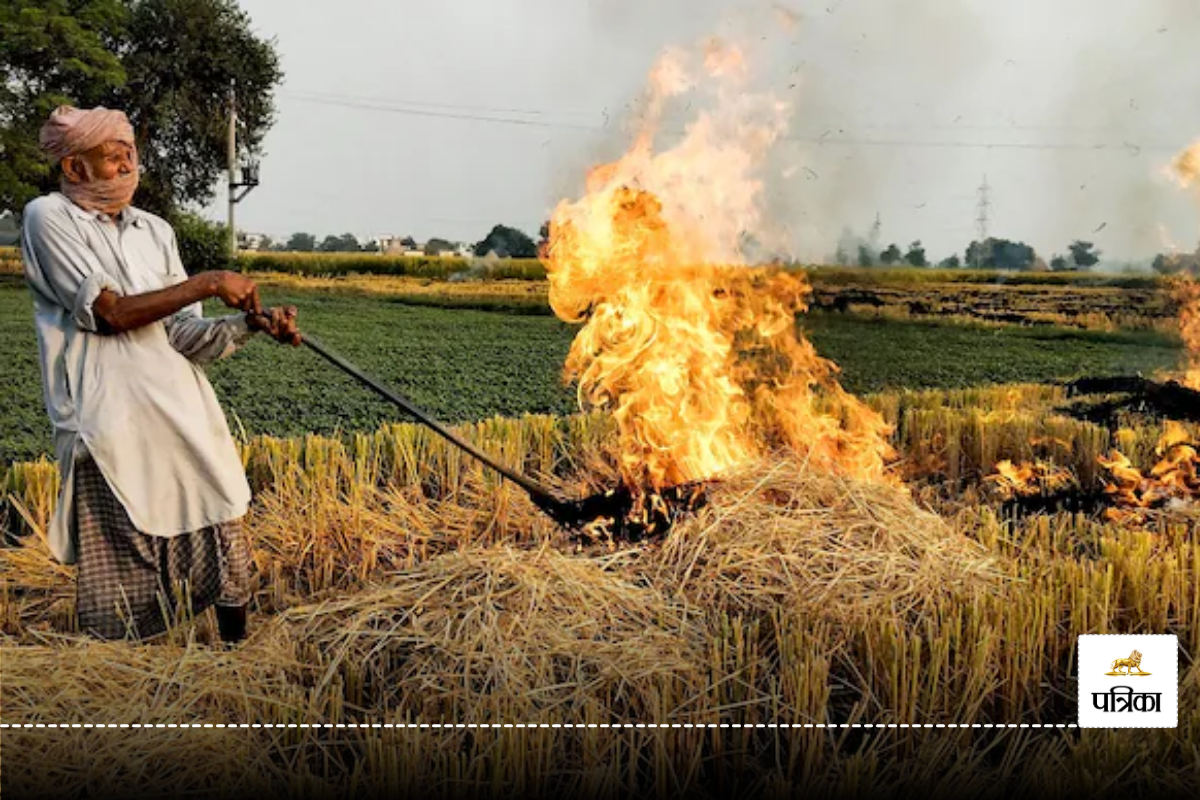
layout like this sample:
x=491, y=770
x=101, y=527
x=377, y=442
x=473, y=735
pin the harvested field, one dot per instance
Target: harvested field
x=400, y=583
x=1090, y=307
x=1103, y=303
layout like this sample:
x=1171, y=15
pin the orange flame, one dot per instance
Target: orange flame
x=1029, y=479
x=1185, y=170
x=1174, y=477
x=1173, y=480
x=1186, y=166
x=696, y=355
x=1187, y=294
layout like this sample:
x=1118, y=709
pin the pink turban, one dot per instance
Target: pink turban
x=71, y=131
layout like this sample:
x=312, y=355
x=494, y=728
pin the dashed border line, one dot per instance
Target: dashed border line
x=492, y=725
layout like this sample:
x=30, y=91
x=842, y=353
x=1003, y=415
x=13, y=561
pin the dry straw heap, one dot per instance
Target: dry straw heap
x=401, y=583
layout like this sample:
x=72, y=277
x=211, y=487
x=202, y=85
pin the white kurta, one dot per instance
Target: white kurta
x=138, y=402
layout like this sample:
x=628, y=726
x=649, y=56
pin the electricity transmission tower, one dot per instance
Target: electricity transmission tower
x=983, y=210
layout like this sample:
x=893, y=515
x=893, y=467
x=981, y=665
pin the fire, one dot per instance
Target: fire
x=1173, y=479
x=695, y=353
x=1186, y=166
x=1185, y=170
x=1029, y=479
x=1187, y=294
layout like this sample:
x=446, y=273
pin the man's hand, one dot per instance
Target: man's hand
x=237, y=291
x=280, y=323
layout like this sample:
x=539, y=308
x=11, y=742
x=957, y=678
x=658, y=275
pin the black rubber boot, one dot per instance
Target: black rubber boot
x=231, y=623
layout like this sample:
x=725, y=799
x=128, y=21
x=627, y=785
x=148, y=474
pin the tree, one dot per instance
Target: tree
x=951, y=262
x=301, y=243
x=51, y=53
x=169, y=64
x=1059, y=264
x=891, y=255
x=1177, y=263
x=346, y=243
x=506, y=242
x=436, y=246
x=203, y=244
x=1002, y=254
x=847, y=246
x=1082, y=254
x=865, y=257
x=916, y=255
x=181, y=58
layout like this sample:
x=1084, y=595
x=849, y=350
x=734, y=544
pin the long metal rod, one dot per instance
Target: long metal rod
x=535, y=489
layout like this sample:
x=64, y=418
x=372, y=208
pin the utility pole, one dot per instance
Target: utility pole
x=249, y=172
x=231, y=160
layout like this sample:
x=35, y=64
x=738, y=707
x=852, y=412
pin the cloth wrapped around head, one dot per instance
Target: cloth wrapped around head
x=71, y=131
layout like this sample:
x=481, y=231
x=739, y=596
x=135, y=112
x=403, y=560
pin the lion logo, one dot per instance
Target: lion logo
x=1129, y=665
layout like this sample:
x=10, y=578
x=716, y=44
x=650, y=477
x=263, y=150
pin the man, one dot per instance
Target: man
x=153, y=489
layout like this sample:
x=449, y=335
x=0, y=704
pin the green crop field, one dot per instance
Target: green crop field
x=467, y=364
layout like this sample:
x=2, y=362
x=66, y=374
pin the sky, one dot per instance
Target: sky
x=445, y=118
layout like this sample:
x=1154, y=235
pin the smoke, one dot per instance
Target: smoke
x=1083, y=108
x=1140, y=100
x=841, y=66
x=901, y=107
x=865, y=73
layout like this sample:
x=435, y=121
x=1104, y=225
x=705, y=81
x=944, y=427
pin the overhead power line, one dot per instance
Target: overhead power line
x=390, y=101
x=507, y=117
x=478, y=116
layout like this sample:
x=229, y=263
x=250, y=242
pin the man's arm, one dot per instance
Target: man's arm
x=117, y=314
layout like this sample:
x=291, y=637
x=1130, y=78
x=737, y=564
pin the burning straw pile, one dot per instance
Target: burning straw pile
x=472, y=609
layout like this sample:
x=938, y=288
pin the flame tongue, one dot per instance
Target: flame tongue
x=1185, y=170
x=1187, y=293
x=1174, y=477
x=1029, y=479
x=1186, y=166
x=696, y=356
x=1173, y=481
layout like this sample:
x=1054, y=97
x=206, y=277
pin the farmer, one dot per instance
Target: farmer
x=153, y=489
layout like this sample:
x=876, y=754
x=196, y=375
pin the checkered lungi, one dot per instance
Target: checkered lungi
x=131, y=583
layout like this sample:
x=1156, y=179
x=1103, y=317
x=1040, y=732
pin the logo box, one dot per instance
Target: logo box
x=1128, y=680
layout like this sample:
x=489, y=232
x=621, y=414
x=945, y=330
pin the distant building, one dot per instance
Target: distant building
x=398, y=245
x=252, y=241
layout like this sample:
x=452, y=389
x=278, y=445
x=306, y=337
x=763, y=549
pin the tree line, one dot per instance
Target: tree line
x=991, y=253
x=1004, y=254
x=502, y=240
